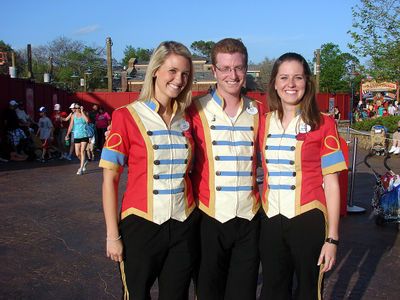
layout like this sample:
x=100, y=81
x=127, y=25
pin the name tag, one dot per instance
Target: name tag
x=304, y=128
x=184, y=125
x=252, y=110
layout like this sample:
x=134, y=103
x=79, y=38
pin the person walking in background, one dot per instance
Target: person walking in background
x=77, y=126
x=15, y=135
x=45, y=132
x=395, y=149
x=92, y=118
x=301, y=158
x=93, y=113
x=336, y=115
x=59, y=120
x=25, y=120
x=69, y=143
x=103, y=119
x=224, y=127
x=155, y=235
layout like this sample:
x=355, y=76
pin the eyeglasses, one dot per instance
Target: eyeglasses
x=227, y=70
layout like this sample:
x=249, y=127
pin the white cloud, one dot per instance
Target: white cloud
x=87, y=29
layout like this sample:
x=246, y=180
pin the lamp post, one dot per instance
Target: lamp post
x=352, y=76
x=74, y=76
x=85, y=78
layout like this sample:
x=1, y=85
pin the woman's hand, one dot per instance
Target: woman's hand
x=327, y=257
x=115, y=250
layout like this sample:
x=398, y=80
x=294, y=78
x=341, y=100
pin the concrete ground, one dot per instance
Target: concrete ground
x=52, y=237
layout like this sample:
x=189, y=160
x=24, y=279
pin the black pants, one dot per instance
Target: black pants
x=100, y=138
x=288, y=247
x=229, y=259
x=169, y=252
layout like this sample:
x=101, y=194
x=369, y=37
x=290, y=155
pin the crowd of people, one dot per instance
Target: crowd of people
x=376, y=108
x=192, y=208
x=55, y=135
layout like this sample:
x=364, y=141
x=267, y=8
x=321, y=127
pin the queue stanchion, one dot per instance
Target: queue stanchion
x=351, y=208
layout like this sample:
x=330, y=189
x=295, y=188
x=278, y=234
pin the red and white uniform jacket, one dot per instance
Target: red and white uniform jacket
x=223, y=176
x=294, y=163
x=158, y=158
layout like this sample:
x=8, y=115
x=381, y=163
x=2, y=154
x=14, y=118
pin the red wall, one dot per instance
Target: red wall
x=110, y=101
x=41, y=94
x=47, y=95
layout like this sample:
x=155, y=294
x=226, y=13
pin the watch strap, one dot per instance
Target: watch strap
x=332, y=241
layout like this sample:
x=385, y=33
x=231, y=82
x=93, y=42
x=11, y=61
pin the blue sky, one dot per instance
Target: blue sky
x=268, y=28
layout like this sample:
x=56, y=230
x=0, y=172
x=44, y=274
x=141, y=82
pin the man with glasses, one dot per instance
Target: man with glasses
x=224, y=126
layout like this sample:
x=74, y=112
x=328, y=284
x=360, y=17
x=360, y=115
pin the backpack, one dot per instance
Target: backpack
x=90, y=130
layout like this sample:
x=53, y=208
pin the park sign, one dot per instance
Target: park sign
x=373, y=86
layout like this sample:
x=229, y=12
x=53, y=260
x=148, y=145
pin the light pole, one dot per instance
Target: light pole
x=74, y=76
x=317, y=71
x=85, y=79
x=352, y=77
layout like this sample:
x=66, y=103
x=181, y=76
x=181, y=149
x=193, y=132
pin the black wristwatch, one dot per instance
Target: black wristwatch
x=332, y=241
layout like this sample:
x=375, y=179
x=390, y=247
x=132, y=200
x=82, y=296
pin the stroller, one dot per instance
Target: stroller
x=386, y=199
x=378, y=140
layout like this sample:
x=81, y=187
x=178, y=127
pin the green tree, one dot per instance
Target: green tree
x=141, y=54
x=376, y=35
x=71, y=60
x=4, y=69
x=265, y=68
x=335, y=67
x=202, y=48
x=6, y=49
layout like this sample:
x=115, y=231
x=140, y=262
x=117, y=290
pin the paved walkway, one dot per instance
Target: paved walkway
x=52, y=238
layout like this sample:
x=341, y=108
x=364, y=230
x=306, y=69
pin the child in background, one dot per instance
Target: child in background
x=90, y=148
x=45, y=131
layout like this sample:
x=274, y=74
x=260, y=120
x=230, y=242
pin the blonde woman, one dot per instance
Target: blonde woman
x=154, y=236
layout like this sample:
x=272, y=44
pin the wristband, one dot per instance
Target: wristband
x=332, y=241
x=113, y=240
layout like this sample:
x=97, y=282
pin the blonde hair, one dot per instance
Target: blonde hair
x=158, y=57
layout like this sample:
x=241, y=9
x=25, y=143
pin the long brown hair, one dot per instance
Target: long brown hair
x=310, y=113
